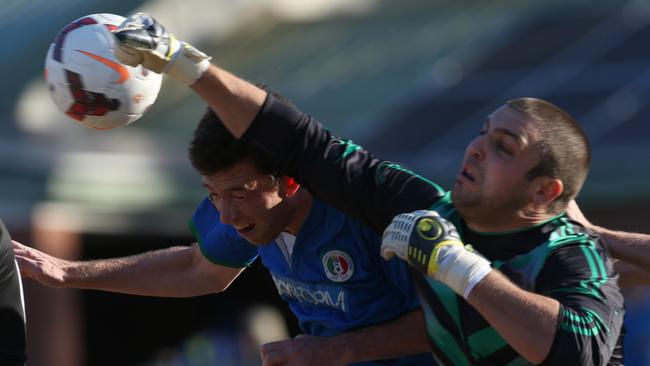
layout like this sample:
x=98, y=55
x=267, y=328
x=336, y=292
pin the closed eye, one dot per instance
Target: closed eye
x=502, y=148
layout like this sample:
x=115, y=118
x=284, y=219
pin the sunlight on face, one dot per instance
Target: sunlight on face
x=249, y=201
x=491, y=185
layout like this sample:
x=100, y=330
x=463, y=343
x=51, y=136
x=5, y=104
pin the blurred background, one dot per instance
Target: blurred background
x=412, y=80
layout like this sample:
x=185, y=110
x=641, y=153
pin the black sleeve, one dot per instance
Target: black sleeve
x=581, y=277
x=337, y=171
x=12, y=317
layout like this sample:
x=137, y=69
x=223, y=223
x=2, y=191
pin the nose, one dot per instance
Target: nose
x=227, y=211
x=475, y=148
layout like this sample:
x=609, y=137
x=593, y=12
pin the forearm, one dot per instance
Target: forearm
x=165, y=272
x=527, y=321
x=234, y=100
x=405, y=335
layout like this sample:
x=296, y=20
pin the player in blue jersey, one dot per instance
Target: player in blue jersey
x=349, y=302
x=545, y=292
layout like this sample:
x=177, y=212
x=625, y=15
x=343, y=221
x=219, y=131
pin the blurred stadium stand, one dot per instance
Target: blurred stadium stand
x=412, y=80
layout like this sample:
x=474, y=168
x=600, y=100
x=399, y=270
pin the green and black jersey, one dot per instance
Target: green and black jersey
x=558, y=258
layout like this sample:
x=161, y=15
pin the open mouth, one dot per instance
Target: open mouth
x=243, y=230
x=468, y=175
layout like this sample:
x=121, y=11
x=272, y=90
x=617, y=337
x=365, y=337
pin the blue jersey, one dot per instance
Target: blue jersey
x=334, y=281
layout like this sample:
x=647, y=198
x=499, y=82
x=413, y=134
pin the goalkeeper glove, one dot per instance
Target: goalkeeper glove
x=142, y=40
x=432, y=245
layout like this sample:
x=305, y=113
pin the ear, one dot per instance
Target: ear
x=289, y=186
x=545, y=190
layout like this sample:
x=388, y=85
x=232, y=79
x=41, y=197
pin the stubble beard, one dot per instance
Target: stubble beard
x=482, y=211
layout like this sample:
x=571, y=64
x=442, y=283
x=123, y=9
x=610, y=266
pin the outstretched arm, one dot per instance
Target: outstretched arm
x=402, y=336
x=171, y=272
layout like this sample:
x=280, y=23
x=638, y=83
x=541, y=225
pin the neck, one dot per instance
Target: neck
x=521, y=219
x=300, y=206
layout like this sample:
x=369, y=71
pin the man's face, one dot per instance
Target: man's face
x=248, y=200
x=491, y=185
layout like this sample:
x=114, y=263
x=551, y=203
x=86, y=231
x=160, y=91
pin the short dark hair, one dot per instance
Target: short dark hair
x=564, y=148
x=214, y=148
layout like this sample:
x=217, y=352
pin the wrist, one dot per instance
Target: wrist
x=188, y=64
x=461, y=269
x=71, y=274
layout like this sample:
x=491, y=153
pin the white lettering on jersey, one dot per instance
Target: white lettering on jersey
x=332, y=297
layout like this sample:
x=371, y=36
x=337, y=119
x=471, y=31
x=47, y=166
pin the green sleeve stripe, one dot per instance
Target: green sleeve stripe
x=598, y=273
x=350, y=147
x=383, y=166
x=589, y=324
x=593, y=279
x=600, y=262
x=597, y=266
x=574, y=290
x=564, y=239
x=569, y=227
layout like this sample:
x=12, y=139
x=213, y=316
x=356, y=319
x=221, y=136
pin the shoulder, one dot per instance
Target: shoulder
x=566, y=232
x=573, y=250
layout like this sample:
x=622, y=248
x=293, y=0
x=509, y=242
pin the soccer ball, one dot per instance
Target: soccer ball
x=89, y=84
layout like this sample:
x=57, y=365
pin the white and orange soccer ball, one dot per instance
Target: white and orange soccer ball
x=89, y=84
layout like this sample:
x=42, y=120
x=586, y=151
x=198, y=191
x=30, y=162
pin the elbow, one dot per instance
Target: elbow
x=582, y=352
x=538, y=355
x=537, y=358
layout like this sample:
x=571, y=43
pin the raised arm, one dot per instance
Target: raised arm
x=171, y=272
x=337, y=171
x=236, y=101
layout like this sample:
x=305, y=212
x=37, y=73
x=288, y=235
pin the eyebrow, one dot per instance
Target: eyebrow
x=516, y=137
x=233, y=189
x=520, y=140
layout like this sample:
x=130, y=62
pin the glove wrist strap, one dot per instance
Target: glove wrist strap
x=188, y=64
x=461, y=269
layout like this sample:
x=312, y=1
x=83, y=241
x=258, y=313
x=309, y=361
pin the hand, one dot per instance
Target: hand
x=39, y=266
x=141, y=40
x=302, y=351
x=419, y=237
x=431, y=245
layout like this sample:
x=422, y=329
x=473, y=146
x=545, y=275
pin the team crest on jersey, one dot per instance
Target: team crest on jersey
x=338, y=265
